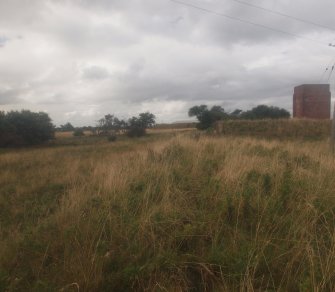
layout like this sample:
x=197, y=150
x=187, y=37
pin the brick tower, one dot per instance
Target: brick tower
x=312, y=101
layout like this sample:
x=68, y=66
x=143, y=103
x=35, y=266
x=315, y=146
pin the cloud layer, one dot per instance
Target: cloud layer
x=81, y=59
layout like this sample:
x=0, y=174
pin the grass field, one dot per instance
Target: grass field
x=177, y=211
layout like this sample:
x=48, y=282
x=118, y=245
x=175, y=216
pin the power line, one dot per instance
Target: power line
x=284, y=15
x=245, y=21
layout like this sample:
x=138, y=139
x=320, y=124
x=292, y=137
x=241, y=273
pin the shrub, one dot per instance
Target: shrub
x=265, y=112
x=25, y=128
x=207, y=117
x=137, y=125
x=67, y=127
x=136, y=132
x=78, y=133
x=134, y=127
x=112, y=138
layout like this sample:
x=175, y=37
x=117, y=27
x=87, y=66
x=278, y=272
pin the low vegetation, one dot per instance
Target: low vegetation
x=280, y=129
x=174, y=126
x=78, y=133
x=172, y=212
x=25, y=128
x=208, y=117
x=134, y=127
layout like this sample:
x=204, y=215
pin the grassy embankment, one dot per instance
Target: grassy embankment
x=287, y=129
x=173, y=213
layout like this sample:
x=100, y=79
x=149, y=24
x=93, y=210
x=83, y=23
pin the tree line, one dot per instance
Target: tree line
x=208, y=116
x=133, y=127
x=110, y=125
x=21, y=128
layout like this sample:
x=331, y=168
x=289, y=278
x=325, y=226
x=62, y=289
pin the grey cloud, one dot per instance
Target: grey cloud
x=3, y=41
x=220, y=29
x=20, y=13
x=88, y=58
x=10, y=96
x=95, y=72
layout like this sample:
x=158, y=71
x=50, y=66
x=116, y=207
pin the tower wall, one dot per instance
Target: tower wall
x=312, y=101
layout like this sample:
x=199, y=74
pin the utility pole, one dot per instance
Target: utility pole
x=332, y=136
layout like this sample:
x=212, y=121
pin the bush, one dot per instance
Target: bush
x=207, y=117
x=25, y=128
x=110, y=125
x=112, y=138
x=136, y=132
x=137, y=125
x=265, y=112
x=66, y=128
x=78, y=133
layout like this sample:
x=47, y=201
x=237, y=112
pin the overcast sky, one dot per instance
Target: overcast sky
x=80, y=59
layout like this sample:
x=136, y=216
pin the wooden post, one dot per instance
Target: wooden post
x=332, y=136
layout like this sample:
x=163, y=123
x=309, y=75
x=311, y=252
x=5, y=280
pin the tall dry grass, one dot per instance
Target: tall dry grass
x=190, y=213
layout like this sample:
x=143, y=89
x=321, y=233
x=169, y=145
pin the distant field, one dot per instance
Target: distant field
x=171, y=130
x=68, y=134
x=176, y=126
x=155, y=130
x=176, y=211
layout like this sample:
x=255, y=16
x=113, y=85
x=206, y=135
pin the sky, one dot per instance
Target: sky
x=78, y=60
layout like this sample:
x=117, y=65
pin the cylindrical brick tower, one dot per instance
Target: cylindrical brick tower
x=312, y=101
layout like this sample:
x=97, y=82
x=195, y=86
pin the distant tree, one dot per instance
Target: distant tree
x=218, y=112
x=120, y=125
x=78, y=132
x=135, y=128
x=7, y=131
x=89, y=129
x=67, y=127
x=112, y=138
x=25, y=128
x=207, y=117
x=197, y=111
x=137, y=125
x=235, y=114
x=147, y=119
x=265, y=112
x=109, y=124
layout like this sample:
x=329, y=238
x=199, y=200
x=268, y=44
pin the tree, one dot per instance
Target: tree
x=25, y=128
x=207, y=117
x=67, y=127
x=78, y=132
x=265, y=112
x=120, y=125
x=236, y=114
x=137, y=125
x=147, y=119
x=109, y=124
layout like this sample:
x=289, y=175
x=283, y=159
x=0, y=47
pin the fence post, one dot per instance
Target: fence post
x=332, y=136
